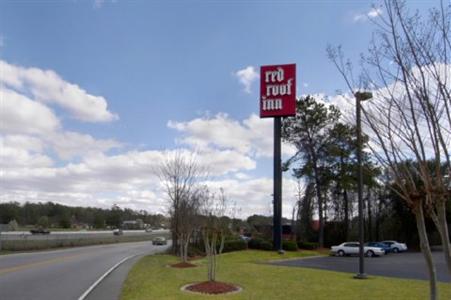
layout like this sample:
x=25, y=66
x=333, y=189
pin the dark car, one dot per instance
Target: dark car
x=159, y=241
x=39, y=231
x=384, y=246
x=118, y=232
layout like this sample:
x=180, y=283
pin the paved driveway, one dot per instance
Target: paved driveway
x=402, y=265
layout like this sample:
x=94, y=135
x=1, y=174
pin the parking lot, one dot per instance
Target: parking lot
x=409, y=265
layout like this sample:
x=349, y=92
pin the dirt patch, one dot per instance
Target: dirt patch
x=212, y=288
x=183, y=265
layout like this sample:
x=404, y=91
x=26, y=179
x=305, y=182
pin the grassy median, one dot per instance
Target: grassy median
x=150, y=278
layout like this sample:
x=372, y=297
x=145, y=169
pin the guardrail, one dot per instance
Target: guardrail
x=19, y=241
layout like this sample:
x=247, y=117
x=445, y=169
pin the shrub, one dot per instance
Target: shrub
x=308, y=245
x=234, y=245
x=260, y=244
x=289, y=246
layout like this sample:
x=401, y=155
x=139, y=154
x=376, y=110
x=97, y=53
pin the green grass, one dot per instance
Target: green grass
x=150, y=278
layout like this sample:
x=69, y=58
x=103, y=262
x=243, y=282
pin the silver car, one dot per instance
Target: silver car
x=352, y=248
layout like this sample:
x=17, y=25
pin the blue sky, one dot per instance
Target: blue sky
x=169, y=73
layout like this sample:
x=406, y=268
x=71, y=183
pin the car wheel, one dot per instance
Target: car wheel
x=395, y=250
x=341, y=253
x=370, y=253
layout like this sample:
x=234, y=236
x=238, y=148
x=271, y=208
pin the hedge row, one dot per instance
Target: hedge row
x=259, y=244
x=234, y=245
x=308, y=245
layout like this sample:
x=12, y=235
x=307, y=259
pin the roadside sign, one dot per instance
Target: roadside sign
x=278, y=91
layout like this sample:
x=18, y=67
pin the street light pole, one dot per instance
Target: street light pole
x=359, y=97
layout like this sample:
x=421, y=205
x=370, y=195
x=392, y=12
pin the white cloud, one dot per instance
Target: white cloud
x=14, y=154
x=252, y=136
x=18, y=114
x=72, y=144
x=372, y=13
x=247, y=76
x=254, y=195
x=48, y=87
x=99, y=3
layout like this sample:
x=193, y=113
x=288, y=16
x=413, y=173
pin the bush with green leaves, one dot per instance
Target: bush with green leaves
x=289, y=246
x=308, y=245
x=234, y=245
x=260, y=244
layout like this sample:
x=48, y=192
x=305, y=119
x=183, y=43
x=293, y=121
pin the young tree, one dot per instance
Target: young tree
x=188, y=220
x=307, y=131
x=215, y=227
x=408, y=67
x=179, y=173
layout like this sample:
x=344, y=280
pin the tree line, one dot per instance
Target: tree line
x=62, y=216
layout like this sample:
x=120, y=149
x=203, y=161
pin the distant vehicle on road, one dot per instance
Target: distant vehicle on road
x=352, y=248
x=39, y=231
x=381, y=245
x=159, y=240
x=396, y=246
x=148, y=229
x=118, y=232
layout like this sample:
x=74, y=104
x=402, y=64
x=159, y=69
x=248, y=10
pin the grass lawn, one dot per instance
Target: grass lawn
x=150, y=278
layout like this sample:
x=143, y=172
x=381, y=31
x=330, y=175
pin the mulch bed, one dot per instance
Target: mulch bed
x=183, y=265
x=212, y=287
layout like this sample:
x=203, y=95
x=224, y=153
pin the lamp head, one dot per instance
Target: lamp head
x=362, y=96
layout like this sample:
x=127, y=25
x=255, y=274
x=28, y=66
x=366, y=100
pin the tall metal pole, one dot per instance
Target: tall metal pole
x=277, y=222
x=361, y=274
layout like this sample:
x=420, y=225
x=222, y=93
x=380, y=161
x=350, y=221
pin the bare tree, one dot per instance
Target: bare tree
x=408, y=67
x=214, y=228
x=180, y=174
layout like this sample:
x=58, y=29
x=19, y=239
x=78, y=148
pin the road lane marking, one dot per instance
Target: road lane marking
x=37, y=264
x=96, y=283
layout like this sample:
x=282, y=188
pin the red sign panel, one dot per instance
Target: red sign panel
x=278, y=91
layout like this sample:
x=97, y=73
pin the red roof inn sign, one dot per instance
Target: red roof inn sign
x=278, y=91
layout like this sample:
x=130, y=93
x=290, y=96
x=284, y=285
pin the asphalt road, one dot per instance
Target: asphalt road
x=64, y=274
x=408, y=265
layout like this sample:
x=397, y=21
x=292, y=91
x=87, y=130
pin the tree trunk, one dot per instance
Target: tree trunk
x=319, y=197
x=426, y=250
x=370, y=219
x=185, y=250
x=320, y=207
x=346, y=201
x=442, y=227
x=174, y=242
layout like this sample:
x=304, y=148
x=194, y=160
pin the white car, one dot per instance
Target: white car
x=352, y=248
x=395, y=246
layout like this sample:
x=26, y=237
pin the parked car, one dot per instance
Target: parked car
x=352, y=248
x=118, y=232
x=39, y=231
x=396, y=246
x=245, y=238
x=386, y=247
x=159, y=240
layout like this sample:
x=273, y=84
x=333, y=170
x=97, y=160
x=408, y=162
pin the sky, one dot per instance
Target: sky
x=95, y=94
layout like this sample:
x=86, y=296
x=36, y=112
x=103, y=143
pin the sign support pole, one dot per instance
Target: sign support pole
x=277, y=201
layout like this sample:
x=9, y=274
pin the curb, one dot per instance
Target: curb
x=98, y=281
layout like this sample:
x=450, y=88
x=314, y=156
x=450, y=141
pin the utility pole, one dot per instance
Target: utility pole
x=359, y=97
